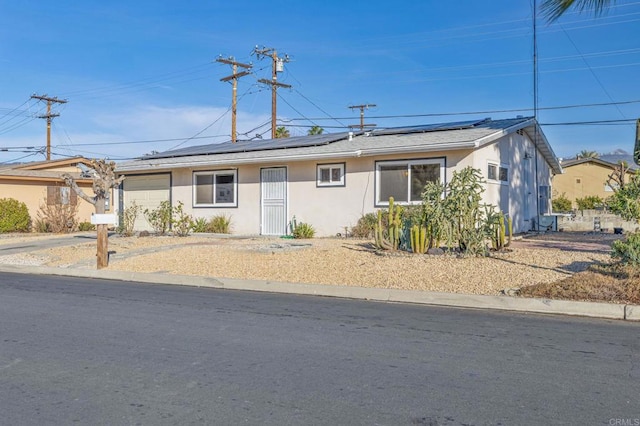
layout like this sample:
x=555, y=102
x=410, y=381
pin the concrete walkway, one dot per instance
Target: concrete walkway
x=506, y=303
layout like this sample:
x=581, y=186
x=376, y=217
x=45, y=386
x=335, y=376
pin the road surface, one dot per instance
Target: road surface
x=81, y=351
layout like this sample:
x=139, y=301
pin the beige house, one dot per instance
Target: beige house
x=331, y=180
x=40, y=183
x=585, y=177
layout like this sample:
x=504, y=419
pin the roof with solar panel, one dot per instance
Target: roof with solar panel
x=424, y=138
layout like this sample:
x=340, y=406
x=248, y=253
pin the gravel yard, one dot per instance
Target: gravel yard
x=541, y=259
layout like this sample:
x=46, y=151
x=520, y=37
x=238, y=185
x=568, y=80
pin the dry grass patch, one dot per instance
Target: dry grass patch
x=601, y=283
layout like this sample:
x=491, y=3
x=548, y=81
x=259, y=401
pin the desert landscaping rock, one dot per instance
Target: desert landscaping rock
x=335, y=261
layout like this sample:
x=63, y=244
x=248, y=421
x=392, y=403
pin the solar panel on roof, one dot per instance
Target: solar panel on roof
x=255, y=145
x=429, y=127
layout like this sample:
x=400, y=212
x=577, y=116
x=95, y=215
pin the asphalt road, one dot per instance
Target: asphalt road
x=75, y=351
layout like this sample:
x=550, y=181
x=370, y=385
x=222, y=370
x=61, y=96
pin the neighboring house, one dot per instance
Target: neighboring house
x=40, y=183
x=586, y=177
x=331, y=180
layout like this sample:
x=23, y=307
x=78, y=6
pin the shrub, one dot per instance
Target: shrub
x=220, y=224
x=627, y=250
x=181, y=221
x=303, y=230
x=590, y=202
x=57, y=218
x=128, y=219
x=14, y=216
x=365, y=226
x=561, y=204
x=86, y=226
x=160, y=217
x=626, y=201
x=200, y=224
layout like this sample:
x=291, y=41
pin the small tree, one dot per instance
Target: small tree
x=618, y=177
x=465, y=211
x=104, y=179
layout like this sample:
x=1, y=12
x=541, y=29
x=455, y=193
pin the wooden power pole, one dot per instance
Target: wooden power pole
x=234, y=78
x=362, y=108
x=49, y=116
x=276, y=67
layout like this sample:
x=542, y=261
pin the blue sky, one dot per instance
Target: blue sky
x=141, y=75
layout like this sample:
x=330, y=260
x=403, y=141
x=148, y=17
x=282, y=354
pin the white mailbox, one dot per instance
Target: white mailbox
x=104, y=219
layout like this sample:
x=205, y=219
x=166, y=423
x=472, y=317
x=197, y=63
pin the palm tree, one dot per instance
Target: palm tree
x=282, y=132
x=315, y=130
x=587, y=154
x=553, y=9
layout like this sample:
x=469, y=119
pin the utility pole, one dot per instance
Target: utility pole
x=49, y=116
x=276, y=67
x=234, y=78
x=362, y=108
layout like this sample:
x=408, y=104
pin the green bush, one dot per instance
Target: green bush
x=303, y=230
x=160, y=218
x=14, y=216
x=86, y=226
x=626, y=201
x=627, y=250
x=220, y=224
x=128, y=219
x=365, y=226
x=561, y=204
x=590, y=202
x=200, y=224
x=182, y=222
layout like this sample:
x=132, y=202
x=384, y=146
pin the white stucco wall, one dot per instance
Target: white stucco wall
x=517, y=197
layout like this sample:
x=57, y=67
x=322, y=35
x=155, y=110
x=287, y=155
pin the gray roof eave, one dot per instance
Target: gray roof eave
x=210, y=160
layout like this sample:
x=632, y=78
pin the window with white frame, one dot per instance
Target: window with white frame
x=330, y=174
x=215, y=189
x=497, y=173
x=404, y=180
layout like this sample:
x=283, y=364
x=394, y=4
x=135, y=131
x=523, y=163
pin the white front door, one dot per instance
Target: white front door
x=273, y=183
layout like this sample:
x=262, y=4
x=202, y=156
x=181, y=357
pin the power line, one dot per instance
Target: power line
x=495, y=111
x=592, y=72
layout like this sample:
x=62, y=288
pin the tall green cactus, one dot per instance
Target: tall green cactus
x=418, y=239
x=390, y=239
x=500, y=233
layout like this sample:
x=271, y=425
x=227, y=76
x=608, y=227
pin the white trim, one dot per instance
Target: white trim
x=408, y=163
x=214, y=174
x=498, y=165
x=331, y=167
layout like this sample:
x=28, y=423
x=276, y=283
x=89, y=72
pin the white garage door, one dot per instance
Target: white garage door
x=147, y=191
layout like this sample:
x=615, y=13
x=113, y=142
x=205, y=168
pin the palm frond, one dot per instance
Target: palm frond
x=553, y=9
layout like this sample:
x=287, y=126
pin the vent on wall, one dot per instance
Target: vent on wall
x=578, y=181
x=520, y=132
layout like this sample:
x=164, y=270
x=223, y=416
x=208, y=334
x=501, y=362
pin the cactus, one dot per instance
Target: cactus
x=498, y=240
x=418, y=239
x=390, y=239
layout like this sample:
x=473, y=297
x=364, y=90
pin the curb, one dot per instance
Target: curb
x=503, y=303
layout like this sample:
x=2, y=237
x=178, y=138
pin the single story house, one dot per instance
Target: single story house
x=40, y=183
x=331, y=180
x=584, y=177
